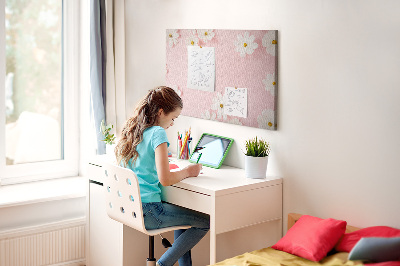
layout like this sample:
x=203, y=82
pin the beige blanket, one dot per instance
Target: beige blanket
x=272, y=257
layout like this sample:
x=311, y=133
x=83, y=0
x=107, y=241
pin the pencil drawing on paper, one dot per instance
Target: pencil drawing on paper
x=201, y=68
x=235, y=101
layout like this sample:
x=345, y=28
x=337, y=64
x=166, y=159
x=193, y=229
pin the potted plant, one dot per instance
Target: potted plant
x=256, y=158
x=109, y=138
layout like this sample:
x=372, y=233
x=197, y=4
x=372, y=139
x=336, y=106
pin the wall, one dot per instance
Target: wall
x=337, y=145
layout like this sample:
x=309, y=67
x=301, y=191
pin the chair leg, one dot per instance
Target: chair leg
x=151, y=261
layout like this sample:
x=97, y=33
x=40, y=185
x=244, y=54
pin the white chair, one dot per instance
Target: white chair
x=125, y=205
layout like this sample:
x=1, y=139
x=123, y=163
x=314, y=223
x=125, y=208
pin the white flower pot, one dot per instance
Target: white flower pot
x=255, y=167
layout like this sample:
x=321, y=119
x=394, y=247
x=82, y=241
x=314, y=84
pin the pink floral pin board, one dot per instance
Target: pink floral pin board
x=225, y=75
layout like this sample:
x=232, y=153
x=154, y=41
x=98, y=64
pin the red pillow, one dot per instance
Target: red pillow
x=311, y=237
x=349, y=240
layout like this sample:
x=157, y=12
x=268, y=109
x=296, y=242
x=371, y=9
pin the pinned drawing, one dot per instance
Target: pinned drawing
x=235, y=102
x=201, y=68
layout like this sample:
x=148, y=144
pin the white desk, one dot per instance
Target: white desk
x=232, y=200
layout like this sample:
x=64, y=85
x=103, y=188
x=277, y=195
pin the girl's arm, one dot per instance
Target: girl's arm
x=166, y=177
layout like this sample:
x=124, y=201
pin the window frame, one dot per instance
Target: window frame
x=69, y=165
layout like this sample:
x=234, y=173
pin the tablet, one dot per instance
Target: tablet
x=211, y=150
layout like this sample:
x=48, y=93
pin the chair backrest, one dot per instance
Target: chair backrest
x=123, y=202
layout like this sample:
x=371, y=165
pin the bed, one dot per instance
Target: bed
x=328, y=242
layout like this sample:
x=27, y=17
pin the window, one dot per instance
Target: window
x=39, y=89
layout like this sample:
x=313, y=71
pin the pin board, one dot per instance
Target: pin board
x=225, y=75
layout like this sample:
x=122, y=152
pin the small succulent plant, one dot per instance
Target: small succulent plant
x=257, y=147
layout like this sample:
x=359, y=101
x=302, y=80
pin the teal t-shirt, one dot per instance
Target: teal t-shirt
x=145, y=165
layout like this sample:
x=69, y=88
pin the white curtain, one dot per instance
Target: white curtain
x=107, y=66
x=115, y=70
x=98, y=62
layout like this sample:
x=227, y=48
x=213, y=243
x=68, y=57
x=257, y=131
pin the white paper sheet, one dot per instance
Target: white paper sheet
x=235, y=102
x=201, y=68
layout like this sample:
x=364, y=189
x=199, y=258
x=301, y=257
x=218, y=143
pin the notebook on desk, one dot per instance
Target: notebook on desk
x=177, y=164
x=173, y=167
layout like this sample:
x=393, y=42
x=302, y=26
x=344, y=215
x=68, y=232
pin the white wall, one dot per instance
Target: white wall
x=337, y=145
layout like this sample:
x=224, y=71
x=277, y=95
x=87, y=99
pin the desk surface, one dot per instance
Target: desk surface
x=222, y=181
x=211, y=181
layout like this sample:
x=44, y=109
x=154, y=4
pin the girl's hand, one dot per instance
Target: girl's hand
x=165, y=176
x=193, y=170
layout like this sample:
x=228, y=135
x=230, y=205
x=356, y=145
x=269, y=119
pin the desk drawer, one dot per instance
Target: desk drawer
x=238, y=210
x=186, y=198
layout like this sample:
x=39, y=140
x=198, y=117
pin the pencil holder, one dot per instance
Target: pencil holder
x=184, y=145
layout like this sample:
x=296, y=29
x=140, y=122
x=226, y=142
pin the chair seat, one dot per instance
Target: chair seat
x=164, y=230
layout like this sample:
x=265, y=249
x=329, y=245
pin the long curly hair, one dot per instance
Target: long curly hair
x=145, y=116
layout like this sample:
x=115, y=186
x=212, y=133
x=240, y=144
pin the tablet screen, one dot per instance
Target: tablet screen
x=211, y=149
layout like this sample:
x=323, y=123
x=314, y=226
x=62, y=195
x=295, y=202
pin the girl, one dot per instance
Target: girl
x=143, y=148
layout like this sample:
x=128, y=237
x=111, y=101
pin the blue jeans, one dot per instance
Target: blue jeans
x=161, y=214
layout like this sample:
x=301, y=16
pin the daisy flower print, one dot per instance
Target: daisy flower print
x=192, y=40
x=172, y=37
x=269, y=84
x=245, y=44
x=269, y=42
x=205, y=35
x=209, y=115
x=266, y=119
x=218, y=105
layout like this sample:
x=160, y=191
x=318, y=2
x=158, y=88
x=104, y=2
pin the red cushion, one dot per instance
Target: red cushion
x=311, y=237
x=349, y=240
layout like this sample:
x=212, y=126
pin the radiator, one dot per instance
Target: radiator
x=61, y=243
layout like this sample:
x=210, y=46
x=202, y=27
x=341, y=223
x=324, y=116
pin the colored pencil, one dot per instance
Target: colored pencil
x=198, y=158
x=183, y=145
